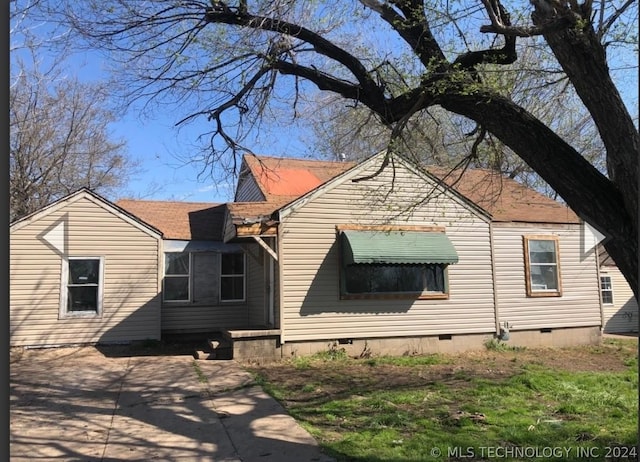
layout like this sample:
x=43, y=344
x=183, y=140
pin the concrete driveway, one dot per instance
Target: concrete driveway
x=80, y=404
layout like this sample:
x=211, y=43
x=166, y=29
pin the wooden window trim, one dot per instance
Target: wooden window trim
x=527, y=270
x=396, y=296
x=390, y=228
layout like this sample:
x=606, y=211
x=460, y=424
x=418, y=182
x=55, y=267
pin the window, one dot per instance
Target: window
x=606, y=289
x=397, y=279
x=232, y=287
x=83, y=292
x=392, y=262
x=542, y=268
x=176, y=276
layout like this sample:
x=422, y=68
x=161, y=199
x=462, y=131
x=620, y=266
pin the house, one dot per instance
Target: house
x=203, y=283
x=485, y=258
x=619, y=306
x=402, y=260
x=83, y=270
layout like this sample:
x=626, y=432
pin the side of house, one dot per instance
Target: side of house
x=619, y=305
x=83, y=271
x=515, y=269
x=207, y=285
x=546, y=288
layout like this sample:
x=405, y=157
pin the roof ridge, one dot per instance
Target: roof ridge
x=154, y=201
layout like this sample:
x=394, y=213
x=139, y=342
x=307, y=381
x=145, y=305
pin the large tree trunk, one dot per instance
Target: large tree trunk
x=587, y=191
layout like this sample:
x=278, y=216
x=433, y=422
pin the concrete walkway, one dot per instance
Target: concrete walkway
x=76, y=404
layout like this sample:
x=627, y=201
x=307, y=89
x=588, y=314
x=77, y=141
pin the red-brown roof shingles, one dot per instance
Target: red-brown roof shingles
x=282, y=181
x=180, y=220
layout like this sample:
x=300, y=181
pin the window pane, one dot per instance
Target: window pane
x=542, y=251
x=176, y=263
x=176, y=288
x=605, y=283
x=607, y=297
x=544, y=277
x=232, y=288
x=84, y=271
x=82, y=298
x=435, y=278
x=361, y=279
x=232, y=263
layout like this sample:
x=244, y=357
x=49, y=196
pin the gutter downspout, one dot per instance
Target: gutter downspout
x=496, y=308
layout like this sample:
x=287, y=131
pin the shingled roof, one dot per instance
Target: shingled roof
x=284, y=180
x=196, y=221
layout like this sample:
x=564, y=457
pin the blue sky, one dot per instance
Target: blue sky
x=158, y=145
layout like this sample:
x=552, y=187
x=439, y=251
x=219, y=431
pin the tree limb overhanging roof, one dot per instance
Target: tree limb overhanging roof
x=283, y=180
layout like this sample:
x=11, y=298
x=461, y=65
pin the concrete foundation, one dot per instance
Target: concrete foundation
x=268, y=346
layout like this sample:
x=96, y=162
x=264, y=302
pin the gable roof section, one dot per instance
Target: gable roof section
x=502, y=198
x=100, y=201
x=197, y=221
x=286, y=179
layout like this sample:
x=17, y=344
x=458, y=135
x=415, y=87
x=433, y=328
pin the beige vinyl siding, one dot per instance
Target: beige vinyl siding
x=312, y=309
x=131, y=306
x=248, y=190
x=622, y=315
x=579, y=304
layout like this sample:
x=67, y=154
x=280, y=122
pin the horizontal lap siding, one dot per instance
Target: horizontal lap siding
x=131, y=308
x=310, y=265
x=579, y=304
x=203, y=318
x=622, y=315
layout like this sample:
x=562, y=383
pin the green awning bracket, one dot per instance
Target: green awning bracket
x=397, y=247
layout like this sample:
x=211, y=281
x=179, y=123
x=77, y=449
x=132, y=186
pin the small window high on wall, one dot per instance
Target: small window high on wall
x=542, y=266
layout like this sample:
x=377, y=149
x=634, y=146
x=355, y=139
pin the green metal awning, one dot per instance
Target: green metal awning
x=397, y=247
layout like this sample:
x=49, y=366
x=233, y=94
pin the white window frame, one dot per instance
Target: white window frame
x=243, y=276
x=533, y=291
x=610, y=289
x=64, y=293
x=188, y=276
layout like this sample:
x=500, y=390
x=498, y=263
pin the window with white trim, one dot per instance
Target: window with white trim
x=232, y=277
x=606, y=289
x=82, y=291
x=542, y=266
x=176, y=283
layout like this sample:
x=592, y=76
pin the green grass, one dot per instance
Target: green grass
x=462, y=411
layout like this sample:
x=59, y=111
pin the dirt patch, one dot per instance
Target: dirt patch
x=316, y=382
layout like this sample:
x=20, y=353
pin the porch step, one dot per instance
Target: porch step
x=216, y=349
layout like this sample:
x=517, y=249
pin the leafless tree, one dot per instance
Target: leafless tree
x=441, y=138
x=59, y=127
x=236, y=62
x=59, y=142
